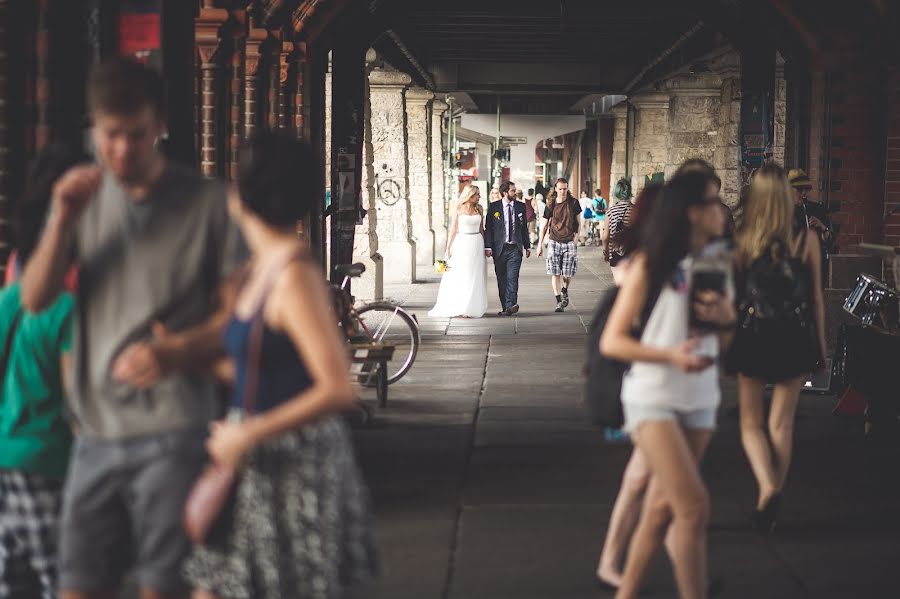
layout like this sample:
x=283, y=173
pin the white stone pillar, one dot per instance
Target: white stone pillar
x=417, y=133
x=396, y=243
x=438, y=201
x=370, y=286
x=619, y=148
x=651, y=136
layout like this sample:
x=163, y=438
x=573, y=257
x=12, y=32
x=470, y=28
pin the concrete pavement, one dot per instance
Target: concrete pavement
x=489, y=483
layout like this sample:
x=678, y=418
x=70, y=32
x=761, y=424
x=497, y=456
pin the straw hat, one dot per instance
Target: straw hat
x=799, y=179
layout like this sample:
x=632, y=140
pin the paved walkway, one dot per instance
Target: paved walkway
x=489, y=483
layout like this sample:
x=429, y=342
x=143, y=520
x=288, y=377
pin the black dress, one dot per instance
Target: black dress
x=776, y=338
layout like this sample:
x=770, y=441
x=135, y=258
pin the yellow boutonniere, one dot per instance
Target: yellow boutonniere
x=496, y=215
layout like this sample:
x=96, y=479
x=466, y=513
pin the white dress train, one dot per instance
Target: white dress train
x=463, y=290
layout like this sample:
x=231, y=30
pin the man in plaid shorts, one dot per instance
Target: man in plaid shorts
x=562, y=223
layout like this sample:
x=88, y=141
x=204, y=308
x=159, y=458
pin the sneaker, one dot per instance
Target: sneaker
x=565, y=298
x=559, y=307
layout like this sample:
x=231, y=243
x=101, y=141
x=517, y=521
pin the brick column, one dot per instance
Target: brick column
x=438, y=198
x=418, y=151
x=206, y=31
x=651, y=136
x=396, y=242
x=370, y=286
x=284, y=93
x=255, y=38
x=300, y=75
x=619, y=147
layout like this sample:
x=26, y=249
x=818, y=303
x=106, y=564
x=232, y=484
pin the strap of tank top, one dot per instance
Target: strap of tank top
x=257, y=326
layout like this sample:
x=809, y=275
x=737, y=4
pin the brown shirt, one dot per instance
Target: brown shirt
x=563, y=217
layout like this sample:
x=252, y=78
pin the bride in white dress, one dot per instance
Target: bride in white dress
x=463, y=290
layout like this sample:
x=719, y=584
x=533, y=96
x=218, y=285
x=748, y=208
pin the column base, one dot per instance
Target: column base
x=370, y=286
x=399, y=261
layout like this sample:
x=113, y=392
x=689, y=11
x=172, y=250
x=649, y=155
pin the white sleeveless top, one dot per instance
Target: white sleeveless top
x=663, y=385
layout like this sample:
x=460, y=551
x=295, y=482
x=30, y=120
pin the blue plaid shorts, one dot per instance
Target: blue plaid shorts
x=562, y=258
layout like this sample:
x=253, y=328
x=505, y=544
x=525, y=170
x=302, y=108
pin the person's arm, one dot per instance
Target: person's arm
x=616, y=341
x=142, y=364
x=548, y=214
x=44, y=275
x=813, y=253
x=453, y=229
x=300, y=308
x=523, y=231
x=488, y=232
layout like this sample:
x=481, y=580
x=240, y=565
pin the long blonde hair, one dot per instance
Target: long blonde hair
x=768, y=214
x=466, y=195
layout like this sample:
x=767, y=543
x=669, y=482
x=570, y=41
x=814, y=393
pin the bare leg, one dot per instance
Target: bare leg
x=567, y=281
x=555, y=282
x=624, y=518
x=677, y=495
x=753, y=436
x=781, y=428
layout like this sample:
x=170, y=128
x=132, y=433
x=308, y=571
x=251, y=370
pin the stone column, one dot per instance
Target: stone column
x=255, y=37
x=396, y=242
x=370, y=286
x=619, y=147
x=694, y=124
x=651, y=136
x=728, y=154
x=438, y=200
x=418, y=131
x=780, y=114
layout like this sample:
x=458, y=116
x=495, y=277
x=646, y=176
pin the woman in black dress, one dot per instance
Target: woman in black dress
x=780, y=336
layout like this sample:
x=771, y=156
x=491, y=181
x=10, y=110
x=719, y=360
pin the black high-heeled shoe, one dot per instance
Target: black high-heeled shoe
x=764, y=520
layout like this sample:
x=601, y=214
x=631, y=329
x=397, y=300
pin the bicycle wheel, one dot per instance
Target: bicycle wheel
x=391, y=324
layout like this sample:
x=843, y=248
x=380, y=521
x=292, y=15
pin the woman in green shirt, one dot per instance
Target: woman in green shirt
x=34, y=435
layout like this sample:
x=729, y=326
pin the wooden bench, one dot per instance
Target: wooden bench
x=368, y=364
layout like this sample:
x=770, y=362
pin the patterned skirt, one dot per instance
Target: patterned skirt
x=300, y=527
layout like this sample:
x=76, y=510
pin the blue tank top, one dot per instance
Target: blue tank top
x=282, y=373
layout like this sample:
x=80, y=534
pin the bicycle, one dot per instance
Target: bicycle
x=381, y=322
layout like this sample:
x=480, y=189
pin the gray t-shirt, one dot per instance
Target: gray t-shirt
x=161, y=259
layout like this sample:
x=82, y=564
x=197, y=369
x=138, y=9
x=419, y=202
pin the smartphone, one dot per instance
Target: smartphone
x=703, y=281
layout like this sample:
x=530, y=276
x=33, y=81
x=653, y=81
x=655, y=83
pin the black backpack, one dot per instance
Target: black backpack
x=776, y=304
x=603, y=376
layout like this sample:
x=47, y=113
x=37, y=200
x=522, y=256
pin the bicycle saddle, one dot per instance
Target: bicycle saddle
x=350, y=270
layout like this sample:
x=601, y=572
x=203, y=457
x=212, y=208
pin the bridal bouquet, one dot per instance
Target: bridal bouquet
x=441, y=266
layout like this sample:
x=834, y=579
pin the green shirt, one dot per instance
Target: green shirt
x=34, y=433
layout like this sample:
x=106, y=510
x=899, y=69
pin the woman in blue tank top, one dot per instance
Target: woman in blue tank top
x=301, y=525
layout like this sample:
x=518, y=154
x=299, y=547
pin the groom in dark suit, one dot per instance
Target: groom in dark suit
x=505, y=239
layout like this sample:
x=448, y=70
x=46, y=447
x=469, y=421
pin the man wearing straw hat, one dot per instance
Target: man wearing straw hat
x=812, y=215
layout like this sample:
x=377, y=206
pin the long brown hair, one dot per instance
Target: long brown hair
x=768, y=214
x=551, y=196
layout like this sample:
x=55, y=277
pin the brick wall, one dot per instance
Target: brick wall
x=892, y=167
x=856, y=182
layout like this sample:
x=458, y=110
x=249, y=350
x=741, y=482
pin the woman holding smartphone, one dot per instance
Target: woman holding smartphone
x=671, y=394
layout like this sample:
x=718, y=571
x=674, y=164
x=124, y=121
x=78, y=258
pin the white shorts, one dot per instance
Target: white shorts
x=637, y=414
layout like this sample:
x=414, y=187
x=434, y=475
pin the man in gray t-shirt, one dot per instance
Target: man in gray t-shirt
x=154, y=245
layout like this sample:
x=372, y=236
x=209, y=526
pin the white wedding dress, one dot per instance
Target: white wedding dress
x=463, y=290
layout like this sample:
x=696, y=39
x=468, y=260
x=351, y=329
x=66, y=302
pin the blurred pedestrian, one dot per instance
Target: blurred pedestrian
x=151, y=240
x=698, y=165
x=781, y=338
x=35, y=437
x=671, y=393
x=617, y=218
x=300, y=525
